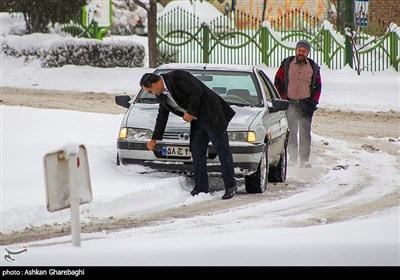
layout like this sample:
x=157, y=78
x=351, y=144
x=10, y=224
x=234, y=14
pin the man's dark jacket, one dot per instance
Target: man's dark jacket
x=282, y=79
x=196, y=98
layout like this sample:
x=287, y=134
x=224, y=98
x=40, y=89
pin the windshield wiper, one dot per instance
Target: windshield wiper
x=146, y=100
x=240, y=104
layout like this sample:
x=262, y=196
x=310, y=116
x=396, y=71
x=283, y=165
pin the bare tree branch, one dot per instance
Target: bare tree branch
x=141, y=4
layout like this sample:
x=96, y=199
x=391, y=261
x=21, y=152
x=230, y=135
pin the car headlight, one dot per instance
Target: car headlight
x=242, y=136
x=122, y=133
x=135, y=134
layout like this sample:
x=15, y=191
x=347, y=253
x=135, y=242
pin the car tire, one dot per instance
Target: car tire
x=120, y=161
x=278, y=173
x=117, y=161
x=257, y=182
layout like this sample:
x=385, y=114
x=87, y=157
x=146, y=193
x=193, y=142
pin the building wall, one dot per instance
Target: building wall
x=386, y=10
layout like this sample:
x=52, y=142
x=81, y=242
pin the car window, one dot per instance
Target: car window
x=268, y=87
x=145, y=97
x=266, y=90
x=237, y=88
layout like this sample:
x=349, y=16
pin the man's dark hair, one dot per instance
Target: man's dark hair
x=148, y=79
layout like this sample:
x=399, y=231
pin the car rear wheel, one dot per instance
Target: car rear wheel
x=278, y=173
x=257, y=182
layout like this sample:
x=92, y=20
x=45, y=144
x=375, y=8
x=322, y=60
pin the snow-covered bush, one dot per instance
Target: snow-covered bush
x=28, y=46
x=94, y=53
x=55, y=51
x=165, y=56
x=125, y=16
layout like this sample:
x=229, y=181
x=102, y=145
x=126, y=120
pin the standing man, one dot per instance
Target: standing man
x=298, y=80
x=183, y=94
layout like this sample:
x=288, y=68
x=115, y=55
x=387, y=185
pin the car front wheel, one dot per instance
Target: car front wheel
x=257, y=182
x=119, y=160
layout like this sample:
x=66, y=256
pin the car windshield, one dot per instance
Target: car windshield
x=236, y=88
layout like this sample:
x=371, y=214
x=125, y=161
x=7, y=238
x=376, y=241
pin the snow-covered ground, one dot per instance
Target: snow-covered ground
x=261, y=234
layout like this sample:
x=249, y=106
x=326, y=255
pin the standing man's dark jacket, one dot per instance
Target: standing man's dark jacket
x=282, y=79
x=196, y=98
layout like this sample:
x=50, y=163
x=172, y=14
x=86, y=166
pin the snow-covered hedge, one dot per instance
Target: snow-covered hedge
x=56, y=51
x=165, y=56
x=93, y=53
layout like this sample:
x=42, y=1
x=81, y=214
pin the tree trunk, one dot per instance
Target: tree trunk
x=152, y=33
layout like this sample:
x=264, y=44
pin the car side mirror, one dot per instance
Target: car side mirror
x=123, y=100
x=279, y=105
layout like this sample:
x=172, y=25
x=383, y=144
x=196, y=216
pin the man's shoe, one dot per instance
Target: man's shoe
x=291, y=163
x=229, y=193
x=196, y=192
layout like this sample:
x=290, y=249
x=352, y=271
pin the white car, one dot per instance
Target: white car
x=258, y=133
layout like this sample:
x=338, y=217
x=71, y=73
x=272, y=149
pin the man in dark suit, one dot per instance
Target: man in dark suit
x=183, y=94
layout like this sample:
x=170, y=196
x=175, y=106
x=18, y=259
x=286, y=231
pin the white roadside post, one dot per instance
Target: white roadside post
x=68, y=183
x=73, y=162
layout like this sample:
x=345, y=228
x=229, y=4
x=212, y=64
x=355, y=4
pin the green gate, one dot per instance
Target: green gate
x=239, y=38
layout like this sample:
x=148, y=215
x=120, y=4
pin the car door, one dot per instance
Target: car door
x=276, y=123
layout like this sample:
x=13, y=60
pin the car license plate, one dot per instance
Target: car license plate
x=174, y=151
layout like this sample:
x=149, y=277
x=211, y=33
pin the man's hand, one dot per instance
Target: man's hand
x=187, y=117
x=152, y=144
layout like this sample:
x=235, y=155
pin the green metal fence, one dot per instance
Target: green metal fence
x=239, y=38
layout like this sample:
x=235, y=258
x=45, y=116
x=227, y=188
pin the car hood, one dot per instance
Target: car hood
x=144, y=116
x=244, y=117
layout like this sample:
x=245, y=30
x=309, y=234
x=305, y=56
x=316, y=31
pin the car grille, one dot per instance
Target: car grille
x=171, y=135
